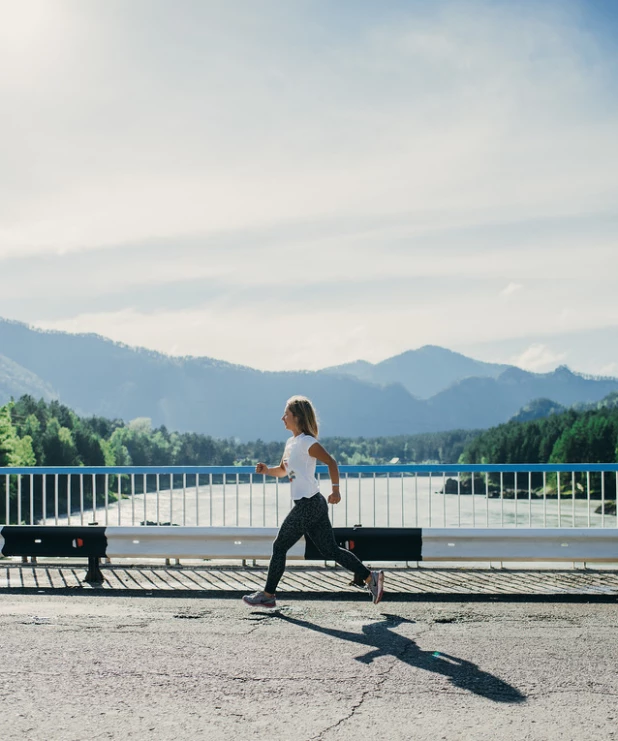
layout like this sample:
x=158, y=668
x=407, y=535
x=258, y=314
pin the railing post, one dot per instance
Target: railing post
x=94, y=574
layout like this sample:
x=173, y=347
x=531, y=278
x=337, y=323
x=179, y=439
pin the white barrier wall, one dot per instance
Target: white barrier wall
x=194, y=542
x=504, y=544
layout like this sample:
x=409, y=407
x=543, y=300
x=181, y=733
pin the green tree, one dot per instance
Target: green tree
x=88, y=447
x=14, y=451
x=58, y=446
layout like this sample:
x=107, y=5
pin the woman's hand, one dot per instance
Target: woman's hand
x=261, y=468
x=334, y=498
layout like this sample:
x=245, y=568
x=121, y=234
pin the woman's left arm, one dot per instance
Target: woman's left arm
x=317, y=451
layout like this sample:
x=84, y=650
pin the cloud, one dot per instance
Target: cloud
x=322, y=254
x=538, y=358
x=511, y=289
x=287, y=330
x=610, y=369
x=221, y=119
x=591, y=350
x=265, y=339
x=379, y=177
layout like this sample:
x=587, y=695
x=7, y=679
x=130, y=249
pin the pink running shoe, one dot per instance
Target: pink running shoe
x=259, y=599
x=376, y=586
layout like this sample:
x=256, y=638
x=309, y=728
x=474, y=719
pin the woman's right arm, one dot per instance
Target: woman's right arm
x=278, y=471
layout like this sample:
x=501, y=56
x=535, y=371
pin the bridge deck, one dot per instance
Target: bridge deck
x=305, y=580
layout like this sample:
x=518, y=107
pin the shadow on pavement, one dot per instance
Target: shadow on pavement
x=385, y=642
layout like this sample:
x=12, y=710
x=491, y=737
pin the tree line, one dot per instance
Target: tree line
x=37, y=433
x=588, y=435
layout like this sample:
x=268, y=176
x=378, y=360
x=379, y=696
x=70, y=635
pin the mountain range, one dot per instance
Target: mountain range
x=426, y=390
x=423, y=372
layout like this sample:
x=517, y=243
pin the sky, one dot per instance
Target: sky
x=294, y=185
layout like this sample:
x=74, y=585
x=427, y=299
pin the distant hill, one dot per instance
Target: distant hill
x=94, y=375
x=423, y=372
x=16, y=381
x=540, y=408
x=485, y=402
x=537, y=409
x=608, y=402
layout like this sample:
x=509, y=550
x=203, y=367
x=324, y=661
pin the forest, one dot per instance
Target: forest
x=36, y=433
x=579, y=435
x=588, y=434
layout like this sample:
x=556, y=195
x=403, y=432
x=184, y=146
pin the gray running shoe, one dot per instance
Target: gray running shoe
x=259, y=599
x=376, y=586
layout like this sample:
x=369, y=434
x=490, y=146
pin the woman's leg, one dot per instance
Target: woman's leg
x=290, y=532
x=317, y=525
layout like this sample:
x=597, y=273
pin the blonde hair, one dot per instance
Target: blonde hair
x=305, y=414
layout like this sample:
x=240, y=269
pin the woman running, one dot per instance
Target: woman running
x=309, y=515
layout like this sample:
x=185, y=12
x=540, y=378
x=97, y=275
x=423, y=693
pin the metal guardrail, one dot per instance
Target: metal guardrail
x=594, y=545
x=428, y=496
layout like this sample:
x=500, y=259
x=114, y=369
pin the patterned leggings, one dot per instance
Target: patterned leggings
x=309, y=517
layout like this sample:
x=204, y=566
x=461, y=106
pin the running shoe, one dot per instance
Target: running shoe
x=259, y=599
x=376, y=586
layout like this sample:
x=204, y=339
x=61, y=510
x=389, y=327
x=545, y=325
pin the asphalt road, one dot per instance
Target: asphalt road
x=101, y=666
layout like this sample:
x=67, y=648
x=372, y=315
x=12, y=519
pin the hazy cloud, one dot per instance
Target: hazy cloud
x=511, y=289
x=538, y=358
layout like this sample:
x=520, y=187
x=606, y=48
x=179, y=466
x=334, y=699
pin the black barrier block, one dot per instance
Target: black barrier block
x=375, y=543
x=24, y=540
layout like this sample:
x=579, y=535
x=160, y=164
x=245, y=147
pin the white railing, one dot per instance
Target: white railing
x=434, y=496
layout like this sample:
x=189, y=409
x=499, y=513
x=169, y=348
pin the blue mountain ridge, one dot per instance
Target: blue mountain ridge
x=93, y=375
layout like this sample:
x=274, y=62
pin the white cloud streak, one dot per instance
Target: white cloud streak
x=511, y=289
x=538, y=358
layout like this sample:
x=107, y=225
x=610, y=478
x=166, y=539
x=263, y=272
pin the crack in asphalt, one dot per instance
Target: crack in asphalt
x=381, y=679
x=254, y=627
x=342, y=720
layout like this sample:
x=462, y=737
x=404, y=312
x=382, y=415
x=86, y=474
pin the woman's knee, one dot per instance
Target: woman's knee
x=280, y=547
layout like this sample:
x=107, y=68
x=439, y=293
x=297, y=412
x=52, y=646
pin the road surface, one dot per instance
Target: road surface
x=97, y=665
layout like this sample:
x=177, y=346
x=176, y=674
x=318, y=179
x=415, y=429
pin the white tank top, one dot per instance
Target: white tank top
x=300, y=466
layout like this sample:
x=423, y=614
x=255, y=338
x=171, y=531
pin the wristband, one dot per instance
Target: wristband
x=335, y=485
